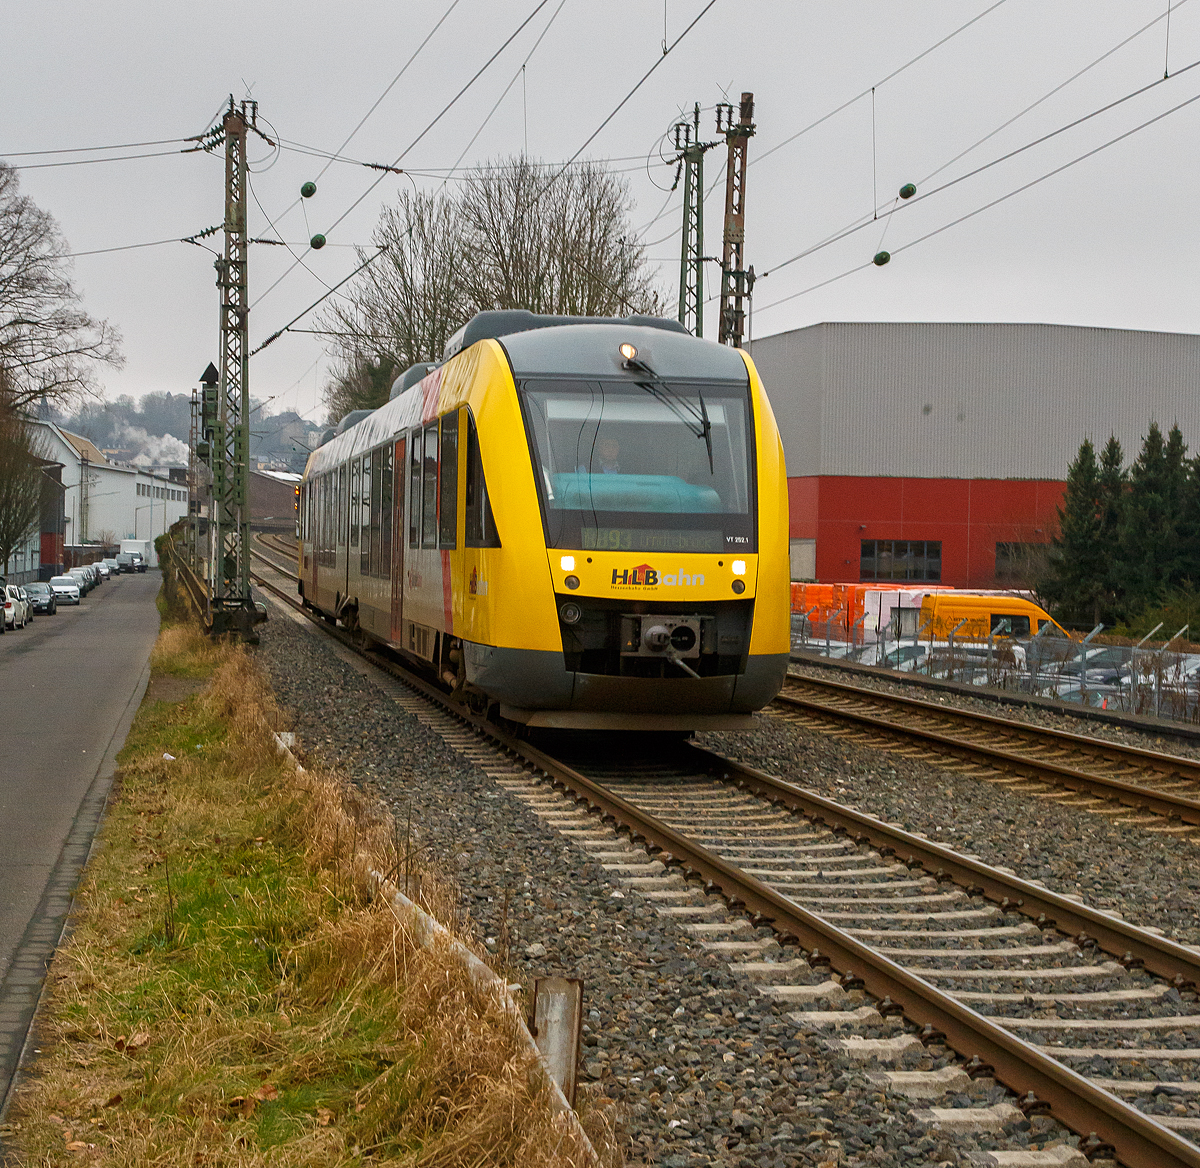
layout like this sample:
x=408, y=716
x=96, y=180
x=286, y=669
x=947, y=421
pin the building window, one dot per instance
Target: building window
x=901, y=559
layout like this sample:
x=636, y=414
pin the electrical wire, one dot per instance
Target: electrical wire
x=95, y=149
x=437, y=118
x=97, y=161
x=883, y=81
x=520, y=73
x=287, y=327
x=993, y=203
x=859, y=224
x=645, y=76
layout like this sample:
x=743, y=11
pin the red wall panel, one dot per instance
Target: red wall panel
x=969, y=516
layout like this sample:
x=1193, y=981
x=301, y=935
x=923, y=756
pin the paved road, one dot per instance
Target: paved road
x=69, y=686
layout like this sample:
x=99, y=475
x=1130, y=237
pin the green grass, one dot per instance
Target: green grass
x=229, y=992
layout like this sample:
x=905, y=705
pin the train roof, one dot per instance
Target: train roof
x=561, y=346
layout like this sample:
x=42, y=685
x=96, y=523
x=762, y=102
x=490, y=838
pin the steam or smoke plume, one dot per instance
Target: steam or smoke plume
x=152, y=450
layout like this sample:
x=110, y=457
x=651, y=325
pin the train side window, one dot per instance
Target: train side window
x=360, y=517
x=376, y=510
x=383, y=565
x=355, y=480
x=448, y=483
x=481, y=527
x=414, y=489
x=343, y=503
x=429, y=488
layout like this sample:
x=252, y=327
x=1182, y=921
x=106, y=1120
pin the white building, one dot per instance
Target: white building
x=106, y=502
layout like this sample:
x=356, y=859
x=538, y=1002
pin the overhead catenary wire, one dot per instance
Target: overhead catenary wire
x=992, y=203
x=320, y=299
x=850, y=101
x=519, y=74
x=429, y=126
x=362, y=121
x=862, y=222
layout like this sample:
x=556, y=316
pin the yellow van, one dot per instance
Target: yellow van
x=1004, y=616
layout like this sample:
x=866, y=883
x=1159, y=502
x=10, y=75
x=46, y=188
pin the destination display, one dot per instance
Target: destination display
x=651, y=539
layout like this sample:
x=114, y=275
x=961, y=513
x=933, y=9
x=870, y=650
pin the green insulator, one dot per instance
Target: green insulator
x=908, y=190
x=317, y=242
x=308, y=190
x=882, y=258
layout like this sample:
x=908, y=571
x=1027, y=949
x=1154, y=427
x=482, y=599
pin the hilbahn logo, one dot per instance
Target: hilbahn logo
x=644, y=576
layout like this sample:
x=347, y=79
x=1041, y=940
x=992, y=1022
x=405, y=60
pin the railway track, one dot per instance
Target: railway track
x=891, y=948
x=1130, y=784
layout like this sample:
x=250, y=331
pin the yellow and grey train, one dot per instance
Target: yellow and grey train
x=573, y=522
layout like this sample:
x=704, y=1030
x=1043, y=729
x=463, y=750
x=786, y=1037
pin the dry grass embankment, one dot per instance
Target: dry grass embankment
x=230, y=994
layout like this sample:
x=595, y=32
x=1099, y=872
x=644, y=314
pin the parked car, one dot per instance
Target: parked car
x=102, y=568
x=93, y=574
x=128, y=562
x=66, y=589
x=16, y=608
x=81, y=578
x=113, y=566
x=41, y=597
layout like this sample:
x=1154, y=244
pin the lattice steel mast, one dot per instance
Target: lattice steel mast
x=736, y=283
x=691, y=258
x=229, y=577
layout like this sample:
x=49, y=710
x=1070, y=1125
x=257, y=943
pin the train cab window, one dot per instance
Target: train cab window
x=448, y=483
x=355, y=480
x=481, y=526
x=429, y=486
x=383, y=564
x=414, y=489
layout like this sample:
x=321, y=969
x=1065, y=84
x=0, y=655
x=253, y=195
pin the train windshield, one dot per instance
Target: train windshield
x=660, y=466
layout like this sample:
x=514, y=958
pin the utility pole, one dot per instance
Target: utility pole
x=736, y=283
x=691, y=258
x=229, y=578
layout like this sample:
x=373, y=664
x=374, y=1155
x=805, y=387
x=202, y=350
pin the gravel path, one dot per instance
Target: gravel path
x=1151, y=879
x=708, y=1071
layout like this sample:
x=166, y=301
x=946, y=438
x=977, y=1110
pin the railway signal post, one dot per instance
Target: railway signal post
x=691, y=260
x=735, y=280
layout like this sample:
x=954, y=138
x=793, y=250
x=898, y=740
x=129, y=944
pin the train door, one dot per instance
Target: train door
x=399, y=479
x=312, y=528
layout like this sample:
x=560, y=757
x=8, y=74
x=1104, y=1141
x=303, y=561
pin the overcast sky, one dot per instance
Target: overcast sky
x=1110, y=241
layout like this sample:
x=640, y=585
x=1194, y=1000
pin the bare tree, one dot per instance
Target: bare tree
x=516, y=235
x=21, y=482
x=555, y=241
x=404, y=307
x=49, y=345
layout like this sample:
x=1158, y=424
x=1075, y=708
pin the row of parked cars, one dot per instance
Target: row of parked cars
x=22, y=601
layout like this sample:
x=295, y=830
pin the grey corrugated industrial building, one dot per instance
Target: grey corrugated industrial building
x=938, y=451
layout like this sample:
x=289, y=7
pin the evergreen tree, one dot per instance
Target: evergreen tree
x=1113, y=483
x=1076, y=580
x=1189, y=525
x=1175, y=565
x=1149, y=523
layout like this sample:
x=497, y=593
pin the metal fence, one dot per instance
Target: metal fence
x=1158, y=679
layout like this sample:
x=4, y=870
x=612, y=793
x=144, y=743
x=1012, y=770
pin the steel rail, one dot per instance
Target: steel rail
x=1021, y=1066
x=1048, y=909
x=1138, y=1139
x=1111, y=751
x=1133, y=795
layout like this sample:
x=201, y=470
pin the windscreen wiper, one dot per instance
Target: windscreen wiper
x=698, y=422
